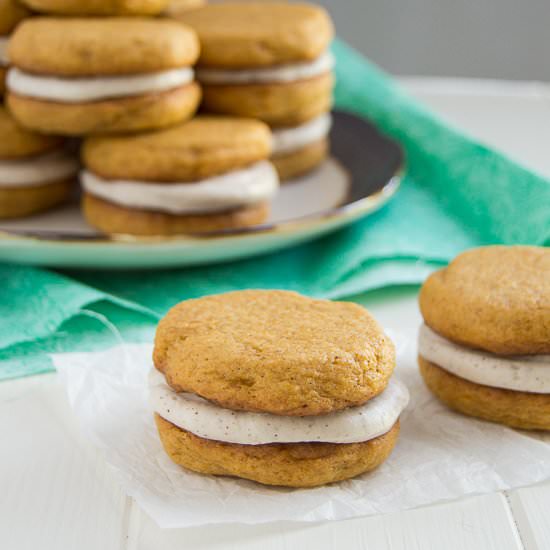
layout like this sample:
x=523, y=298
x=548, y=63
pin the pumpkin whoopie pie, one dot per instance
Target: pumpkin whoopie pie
x=270, y=60
x=11, y=13
x=484, y=349
x=207, y=174
x=98, y=7
x=79, y=76
x=36, y=171
x=275, y=387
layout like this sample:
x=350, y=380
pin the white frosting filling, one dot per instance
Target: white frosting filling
x=277, y=73
x=78, y=90
x=210, y=421
x=288, y=140
x=250, y=185
x=519, y=373
x=38, y=170
x=4, y=61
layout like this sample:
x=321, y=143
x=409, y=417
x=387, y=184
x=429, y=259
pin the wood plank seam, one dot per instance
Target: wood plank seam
x=521, y=536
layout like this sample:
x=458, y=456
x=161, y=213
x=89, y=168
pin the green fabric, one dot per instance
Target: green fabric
x=457, y=194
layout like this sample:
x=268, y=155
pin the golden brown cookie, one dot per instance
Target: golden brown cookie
x=305, y=159
x=289, y=465
x=11, y=13
x=98, y=7
x=114, y=219
x=530, y=411
x=23, y=201
x=128, y=114
x=256, y=34
x=16, y=142
x=274, y=351
x=278, y=104
x=197, y=149
x=98, y=46
x=495, y=298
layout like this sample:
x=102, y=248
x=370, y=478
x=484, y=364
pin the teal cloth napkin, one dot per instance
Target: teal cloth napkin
x=456, y=194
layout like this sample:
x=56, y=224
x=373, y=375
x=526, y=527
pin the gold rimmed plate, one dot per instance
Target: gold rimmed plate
x=361, y=175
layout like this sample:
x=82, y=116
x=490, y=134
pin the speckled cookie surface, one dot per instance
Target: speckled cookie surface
x=101, y=46
x=493, y=298
x=289, y=465
x=113, y=219
x=194, y=150
x=98, y=7
x=257, y=34
x=128, y=114
x=305, y=159
x=274, y=351
x=530, y=411
x=288, y=104
x=24, y=201
x=16, y=142
x=11, y=13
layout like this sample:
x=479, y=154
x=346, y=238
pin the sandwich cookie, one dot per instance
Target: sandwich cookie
x=11, y=13
x=484, y=349
x=86, y=76
x=36, y=173
x=207, y=174
x=275, y=387
x=265, y=60
x=98, y=7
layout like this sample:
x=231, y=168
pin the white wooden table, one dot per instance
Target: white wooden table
x=57, y=493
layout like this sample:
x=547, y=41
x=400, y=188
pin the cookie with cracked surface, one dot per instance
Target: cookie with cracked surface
x=494, y=298
x=275, y=352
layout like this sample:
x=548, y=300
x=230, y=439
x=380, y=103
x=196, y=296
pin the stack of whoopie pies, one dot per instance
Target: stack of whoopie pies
x=270, y=60
x=275, y=387
x=111, y=73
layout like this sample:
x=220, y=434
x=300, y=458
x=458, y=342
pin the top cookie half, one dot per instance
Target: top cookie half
x=495, y=298
x=96, y=46
x=274, y=351
x=259, y=34
x=98, y=7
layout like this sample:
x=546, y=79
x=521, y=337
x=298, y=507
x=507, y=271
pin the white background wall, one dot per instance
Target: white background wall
x=478, y=38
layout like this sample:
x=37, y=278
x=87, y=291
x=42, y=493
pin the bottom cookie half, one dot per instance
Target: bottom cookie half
x=113, y=219
x=529, y=411
x=127, y=114
x=24, y=201
x=288, y=465
x=297, y=163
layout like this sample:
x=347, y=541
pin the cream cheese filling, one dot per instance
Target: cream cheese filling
x=4, y=60
x=288, y=140
x=210, y=421
x=278, y=73
x=79, y=90
x=256, y=183
x=530, y=373
x=38, y=170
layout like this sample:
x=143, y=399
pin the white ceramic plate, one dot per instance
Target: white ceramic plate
x=361, y=175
